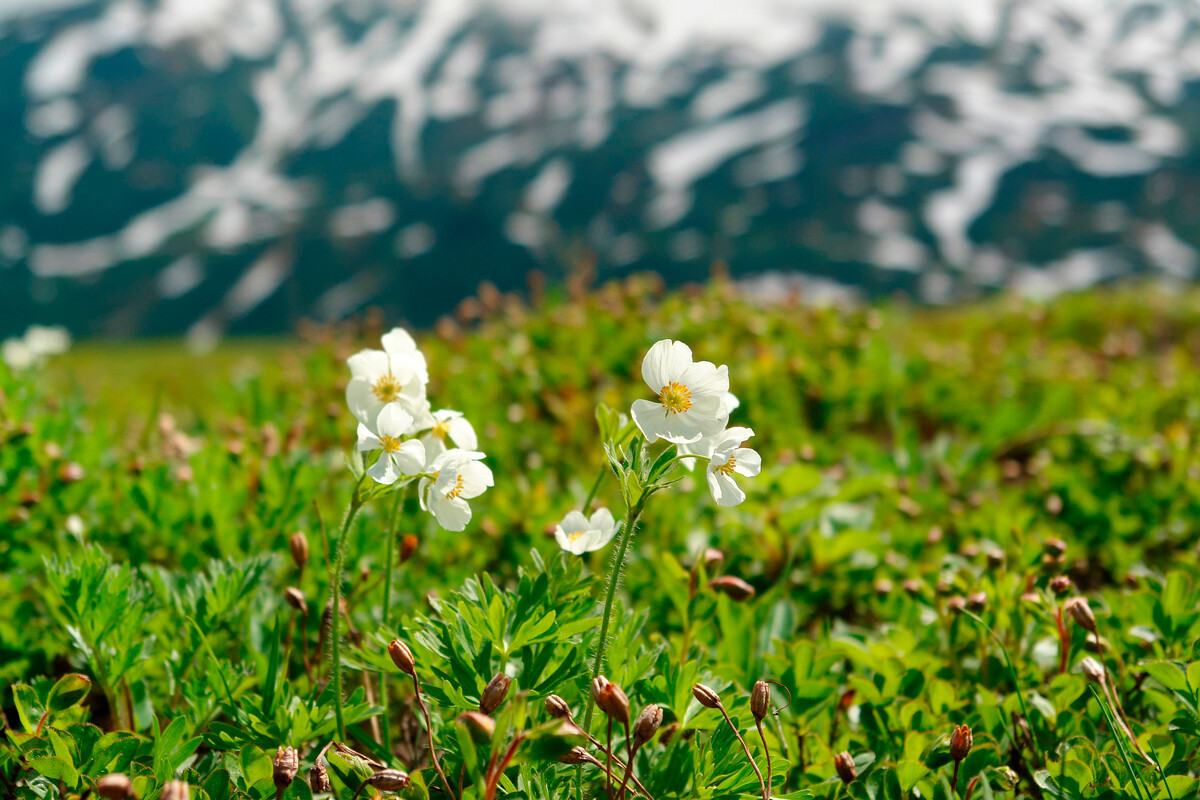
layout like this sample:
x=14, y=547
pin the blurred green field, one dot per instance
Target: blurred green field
x=915, y=460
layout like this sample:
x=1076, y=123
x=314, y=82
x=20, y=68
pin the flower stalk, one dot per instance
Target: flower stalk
x=356, y=503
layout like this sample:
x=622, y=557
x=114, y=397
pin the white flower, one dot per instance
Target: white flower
x=703, y=446
x=452, y=425
x=47, y=340
x=728, y=456
x=691, y=395
x=17, y=354
x=578, y=534
x=395, y=374
x=399, y=456
x=455, y=477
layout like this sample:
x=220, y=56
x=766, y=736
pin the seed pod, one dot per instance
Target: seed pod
x=712, y=558
x=175, y=790
x=494, y=693
x=977, y=601
x=1054, y=547
x=557, y=707
x=116, y=786
x=480, y=726
x=995, y=558
x=647, y=724
x=1060, y=584
x=1081, y=612
x=733, y=588
x=760, y=700
x=1092, y=670
x=576, y=755
x=611, y=699
x=843, y=762
x=402, y=657
x=706, y=696
x=299, y=546
x=287, y=764
x=389, y=780
x=960, y=742
x=295, y=598
x=408, y=546
x=318, y=779
x=957, y=603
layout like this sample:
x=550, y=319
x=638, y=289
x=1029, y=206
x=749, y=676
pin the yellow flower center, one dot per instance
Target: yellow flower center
x=727, y=468
x=387, y=388
x=675, y=397
x=457, y=490
x=441, y=429
x=390, y=443
x=575, y=535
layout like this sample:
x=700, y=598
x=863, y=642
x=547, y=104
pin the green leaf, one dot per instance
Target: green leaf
x=56, y=769
x=30, y=708
x=1169, y=673
x=68, y=691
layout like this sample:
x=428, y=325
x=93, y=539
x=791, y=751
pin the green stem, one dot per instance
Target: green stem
x=587, y=504
x=387, y=612
x=335, y=632
x=1013, y=672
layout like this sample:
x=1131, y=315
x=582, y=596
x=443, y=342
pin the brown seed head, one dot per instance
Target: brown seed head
x=960, y=742
x=494, y=693
x=1092, y=670
x=1081, y=612
x=287, y=764
x=557, y=707
x=480, y=726
x=760, y=700
x=706, y=696
x=295, y=598
x=116, y=786
x=647, y=724
x=389, y=780
x=712, y=558
x=1054, y=547
x=734, y=588
x=843, y=762
x=977, y=601
x=576, y=755
x=611, y=699
x=1060, y=584
x=175, y=790
x=299, y=546
x=318, y=779
x=402, y=657
x=956, y=603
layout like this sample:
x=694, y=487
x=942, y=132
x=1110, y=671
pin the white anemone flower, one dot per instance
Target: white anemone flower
x=400, y=456
x=729, y=457
x=452, y=426
x=703, y=446
x=395, y=374
x=47, y=340
x=578, y=534
x=455, y=477
x=691, y=395
x=16, y=354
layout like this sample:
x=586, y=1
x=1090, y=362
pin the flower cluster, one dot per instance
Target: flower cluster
x=387, y=395
x=38, y=344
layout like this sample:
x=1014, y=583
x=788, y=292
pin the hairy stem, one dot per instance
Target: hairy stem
x=389, y=558
x=437, y=765
x=335, y=631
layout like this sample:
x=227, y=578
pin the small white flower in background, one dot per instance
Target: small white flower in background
x=729, y=457
x=395, y=374
x=399, y=456
x=39, y=343
x=578, y=534
x=16, y=354
x=452, y=426
x=456, y=476
x=703, y=446
x=691, y=395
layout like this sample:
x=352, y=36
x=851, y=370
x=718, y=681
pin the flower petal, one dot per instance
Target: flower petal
x=477, y=477
x=451, y=514
x=361, y=401
x=703, y=378
x=665, y=361
x=724, y=489
x=747, y=462
x=367, y=440
x=410, y=458
x=368, y=364
x=602, y=520
x=649, y=417
x=384, y=470
x=462, y=433
x=393, y=421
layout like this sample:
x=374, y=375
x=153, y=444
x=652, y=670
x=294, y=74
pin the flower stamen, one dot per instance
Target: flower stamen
x=727, y=468
x=387, y=388
x=574, y=535
x=441, y=429
x=675, y=397
x=390, y=444
x=457, y=490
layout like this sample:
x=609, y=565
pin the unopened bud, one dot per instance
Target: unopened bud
x=734, y=588
x=402, y=657
x=760, y=700
x=408, y=546
x=318, y=779
x=977, y=601
x=299, y=546
x=957, y=603
x=116, y=786
x=1092, y=670
x=843, y=762
x=480, y=726
x=995, y=558
x=912, y=587
x=175, y=790
x=611, y=699
x=70, y=472
x=1054, y=547
x=576, y=755
x=557, y=707
x=1060, y=584
x=712, y=558
x=389, y=780
x=295, y=598
x=706, y=696
x=287, y=764
x=647, y=724
x=1081, y=612
x=960, y=742
x=494, y=693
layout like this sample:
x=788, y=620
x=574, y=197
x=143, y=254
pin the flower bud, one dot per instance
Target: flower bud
x=1092, y=670
x=494, y=693
x=1054, y=547
x=116, y=786
x=734, y=588
x=712, y=558
x=611, y=699
x=960, y=742
x=706, y=696
x=480, y=726
x=299, y=546
x=295, y=598
x=1060, y=584
x=576, y=755
x=318, y=779
x=760, y=700
x=408, y=546
x=175, y=790
x=287, y=764
x=1081, y=612
x=402, y=657
x=71, y=472
x=957, y=603
x=647, y=724
x=977, y=601
x=912, y=587
x=843, y=762
x=557, y=707
x=389, y=780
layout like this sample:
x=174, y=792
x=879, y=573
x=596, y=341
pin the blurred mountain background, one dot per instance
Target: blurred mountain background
x=206, y=167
